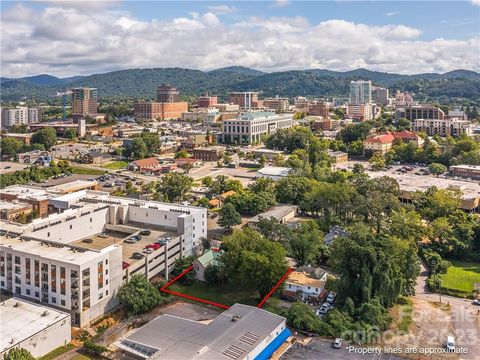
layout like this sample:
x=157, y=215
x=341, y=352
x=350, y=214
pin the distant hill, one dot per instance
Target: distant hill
x=141, y=83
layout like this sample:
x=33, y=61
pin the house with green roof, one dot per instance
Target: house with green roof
x=201, y=263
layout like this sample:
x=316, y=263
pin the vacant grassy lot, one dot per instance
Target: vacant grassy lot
x=227, y=295
x=115, y=165
x=87, y=171
x=461, y=277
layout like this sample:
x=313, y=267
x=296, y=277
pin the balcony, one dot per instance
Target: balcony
x=74, y=297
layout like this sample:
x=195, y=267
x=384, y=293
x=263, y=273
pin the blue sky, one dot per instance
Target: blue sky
x=394, y=36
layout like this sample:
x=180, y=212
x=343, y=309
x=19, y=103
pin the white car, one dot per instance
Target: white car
x=337, y=343
x=148, y=250
x=476, y=302
x=450, y=343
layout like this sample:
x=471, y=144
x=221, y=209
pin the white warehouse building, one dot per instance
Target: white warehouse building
x=75, y=260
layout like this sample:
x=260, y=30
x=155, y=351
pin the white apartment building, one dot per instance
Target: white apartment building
x=443, y=127
x=250, y=126
x=61, y=261
x=206, y=116
x=364, y=112
x=277, y=103
x=19, y=115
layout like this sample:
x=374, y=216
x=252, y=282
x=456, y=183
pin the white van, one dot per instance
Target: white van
x=450, y=343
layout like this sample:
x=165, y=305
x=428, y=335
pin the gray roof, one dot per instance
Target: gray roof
x=335, y=231
x=174, y=338
x=277, y=212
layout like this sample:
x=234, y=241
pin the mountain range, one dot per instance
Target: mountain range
x=141, y=83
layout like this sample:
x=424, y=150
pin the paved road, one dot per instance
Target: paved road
x=464, y=315
x=322, y=349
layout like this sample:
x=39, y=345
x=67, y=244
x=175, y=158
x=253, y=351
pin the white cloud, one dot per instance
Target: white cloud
x=281, y=3
x=222, y=9
x=64, y=41
x=476, y=2
x=393, y=13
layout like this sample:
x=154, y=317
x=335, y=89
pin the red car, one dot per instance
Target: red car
x=153, y=246
x=125, y=265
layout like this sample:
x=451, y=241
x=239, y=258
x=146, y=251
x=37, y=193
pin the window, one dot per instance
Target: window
x=106, y=262
x=62, y=302
x=18, y=290
x=106, y=282
x=70, y=227
x=54, y=300
x=48, y=234
x=100, y=296
x=27, y=291
x=17, y=260
x=165, y=217
x=106, y=271
x=106, y=292
x=36, y=294
x=100, y=274
x=2, y=283
x=90, y=219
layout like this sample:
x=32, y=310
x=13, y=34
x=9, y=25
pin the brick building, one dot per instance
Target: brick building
x=213, y=153
x=159, y=110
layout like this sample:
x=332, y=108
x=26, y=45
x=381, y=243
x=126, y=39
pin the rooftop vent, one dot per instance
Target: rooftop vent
x=17, y=304
x=45, y=313
x=235, y=317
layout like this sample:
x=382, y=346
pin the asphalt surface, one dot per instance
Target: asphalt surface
x=322, y=349
x=464, y=316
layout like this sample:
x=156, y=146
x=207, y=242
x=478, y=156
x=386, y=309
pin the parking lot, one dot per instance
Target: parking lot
x=7, y=167
x=322, y=349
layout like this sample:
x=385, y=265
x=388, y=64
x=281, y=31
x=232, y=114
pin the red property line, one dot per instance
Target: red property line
x=275, y=288
x=164, y=289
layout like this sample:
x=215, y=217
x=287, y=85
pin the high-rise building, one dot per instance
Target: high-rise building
x=167, y=94
x=443, y=127
x=19, y=115
x=380, y=95
x=413, y=112
x=84, y=101
x=245, y=99
x=360, y=92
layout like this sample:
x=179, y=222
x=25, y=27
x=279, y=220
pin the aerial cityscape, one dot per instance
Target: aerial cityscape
x=240, y=180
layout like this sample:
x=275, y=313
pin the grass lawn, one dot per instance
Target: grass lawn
x=461, y=276
x=87, y=171
x=227, y=295
x=57, y=352
x=116, y=165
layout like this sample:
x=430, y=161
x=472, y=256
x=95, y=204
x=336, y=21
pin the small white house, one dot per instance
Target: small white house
x=305, y=282
x=200, y=264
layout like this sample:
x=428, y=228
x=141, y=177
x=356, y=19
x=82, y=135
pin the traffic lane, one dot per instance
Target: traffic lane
x=322, y=349
x=467, y=332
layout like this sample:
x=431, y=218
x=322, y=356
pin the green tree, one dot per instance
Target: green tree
x=138, y=295
x=136, y=149
x=207, y=181
x=305, y=243
x=181, y=265
x=300, y=316
x=437, y=169
x=227, y=159
x=175, y=186
x=46, y=136
x=152, y=143
x=10, y=147
x=229, y=217
x=377, y=162
x=254, y=261
x=182, y=154
x=93, y=349
x=18, y=354
x=262, y=161
x=70, y=133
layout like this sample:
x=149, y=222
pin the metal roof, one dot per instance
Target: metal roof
x=231, y=336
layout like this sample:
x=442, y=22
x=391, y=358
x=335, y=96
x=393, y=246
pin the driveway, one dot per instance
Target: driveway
x=465, y=316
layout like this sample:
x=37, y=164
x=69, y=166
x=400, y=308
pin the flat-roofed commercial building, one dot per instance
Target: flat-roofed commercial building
x=158, y=110
x=413, y=112
x=76, y=259
x=443, y=127
x=18, y=116
x=240, y=333
x=249, y=127
x=32, y=327
x=206, y=101
x=244, y=99
x=277, y=103
x=466, y=171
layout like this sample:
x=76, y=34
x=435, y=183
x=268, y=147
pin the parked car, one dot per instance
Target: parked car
x=137, y=256
x=324, y=309
x=154, y=246
x=88, y=241
x=148, y=250
x=337, y=343
x=136, y=237
x=125, y=265
x=129, y=241
x=145, y=232
x=103, y=235
x=476, y=302
x=331, y=297
x=450, y=343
